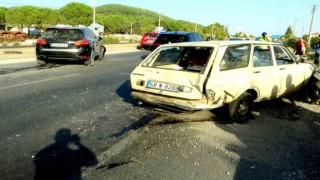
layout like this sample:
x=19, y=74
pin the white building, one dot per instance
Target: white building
x=97, y=28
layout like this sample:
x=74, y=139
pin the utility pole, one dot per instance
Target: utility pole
x=196, y=28
x=310, y=30
x=294, y=27
x=159, y=19
x=94, y=12
x=212, y=30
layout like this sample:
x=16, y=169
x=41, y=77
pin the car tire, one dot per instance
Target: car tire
x=240, y=109
x=90, y=61
x=101, y=53
x=41, y=62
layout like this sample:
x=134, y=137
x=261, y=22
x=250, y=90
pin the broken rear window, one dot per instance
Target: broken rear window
x=193, y=59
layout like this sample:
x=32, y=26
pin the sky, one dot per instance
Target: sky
x=249, y=16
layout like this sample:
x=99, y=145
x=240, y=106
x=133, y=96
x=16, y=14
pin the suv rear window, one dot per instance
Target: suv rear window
x=152, y=35
x=72, y=34
x=173, y=38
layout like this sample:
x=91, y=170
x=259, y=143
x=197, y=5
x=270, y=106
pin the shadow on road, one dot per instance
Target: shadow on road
x=64, y=158
x=280, y=145
x=124, y=92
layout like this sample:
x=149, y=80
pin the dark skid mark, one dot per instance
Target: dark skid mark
x=12, y=52
x=114, y=165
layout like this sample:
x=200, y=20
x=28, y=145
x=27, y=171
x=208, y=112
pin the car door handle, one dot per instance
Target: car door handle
x=255, y=72
x=282, y=68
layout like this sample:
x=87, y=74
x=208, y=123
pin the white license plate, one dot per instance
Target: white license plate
x=58, y=45
x=162, y=86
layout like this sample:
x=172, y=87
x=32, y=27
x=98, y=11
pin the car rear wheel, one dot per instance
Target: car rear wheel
x=240, y=109
x=90, y=61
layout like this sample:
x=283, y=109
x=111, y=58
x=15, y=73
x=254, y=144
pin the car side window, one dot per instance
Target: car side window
x=235, y=57
x=91, y=34
x=282, y=56
x=262, y=56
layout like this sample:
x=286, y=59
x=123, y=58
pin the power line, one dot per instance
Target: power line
x=10, y=3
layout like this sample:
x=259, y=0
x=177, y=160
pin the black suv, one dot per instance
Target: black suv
x=69, y=43
x=175, y=37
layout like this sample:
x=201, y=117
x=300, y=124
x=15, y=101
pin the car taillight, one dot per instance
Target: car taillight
x=41, y=41
x=83, y=42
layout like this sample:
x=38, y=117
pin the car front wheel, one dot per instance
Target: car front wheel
x=240, y=109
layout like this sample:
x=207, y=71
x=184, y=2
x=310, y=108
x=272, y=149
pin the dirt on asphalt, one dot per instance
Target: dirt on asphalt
x=281, y=141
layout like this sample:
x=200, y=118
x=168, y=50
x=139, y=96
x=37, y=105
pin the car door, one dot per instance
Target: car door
x=291, y=74
x=95, y=41
x=168, y=72
x=266, y=77
x=230, y=75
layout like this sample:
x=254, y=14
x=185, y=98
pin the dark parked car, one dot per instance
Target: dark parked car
x=175, y=37
x=69, y=43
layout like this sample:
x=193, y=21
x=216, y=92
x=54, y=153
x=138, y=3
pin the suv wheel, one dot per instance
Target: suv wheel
x=90, y=61
x=240, y=109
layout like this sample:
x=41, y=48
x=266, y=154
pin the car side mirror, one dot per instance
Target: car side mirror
x=100, y=38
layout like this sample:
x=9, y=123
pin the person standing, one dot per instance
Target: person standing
x=317, y=52
x=265, y=37
x=300, y=47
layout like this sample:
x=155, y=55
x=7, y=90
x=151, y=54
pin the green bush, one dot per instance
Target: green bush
x=4, y=44
x=290, y=42
x=16, y=44
x=110, y=39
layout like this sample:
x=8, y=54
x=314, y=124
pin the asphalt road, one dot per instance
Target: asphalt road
x=35, y=103
x=82, y=119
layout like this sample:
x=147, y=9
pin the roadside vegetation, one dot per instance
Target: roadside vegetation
x=117, y=19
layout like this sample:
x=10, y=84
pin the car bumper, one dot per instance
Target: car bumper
x=63, y=54
x=185, y=104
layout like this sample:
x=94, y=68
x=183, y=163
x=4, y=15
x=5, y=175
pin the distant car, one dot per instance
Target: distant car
x=209, y=38
x=69, y=43
x=211, y=74
x=148, y=38
x=239, y=39
x=175, y=37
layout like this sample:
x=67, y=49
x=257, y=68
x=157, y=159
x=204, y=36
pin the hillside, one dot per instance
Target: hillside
x=123, y=10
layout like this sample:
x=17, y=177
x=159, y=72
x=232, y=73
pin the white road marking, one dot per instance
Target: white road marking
x=39, y=81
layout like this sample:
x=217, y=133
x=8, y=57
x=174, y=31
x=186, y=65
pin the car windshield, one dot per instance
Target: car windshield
x=71, y=34
x=192, y=59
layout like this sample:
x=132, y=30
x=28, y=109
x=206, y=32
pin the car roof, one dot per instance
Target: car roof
x=220, y=43
x=176, y=32
x=67, y=27
x=152, y=32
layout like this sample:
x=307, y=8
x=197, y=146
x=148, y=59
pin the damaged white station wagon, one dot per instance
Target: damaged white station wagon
x=208, y=75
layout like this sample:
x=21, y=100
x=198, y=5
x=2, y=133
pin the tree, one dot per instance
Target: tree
x=2, y=17
x=47, y=17
x=24, y=16
x=220, y=32
x=289, y=33
x=76, y=14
